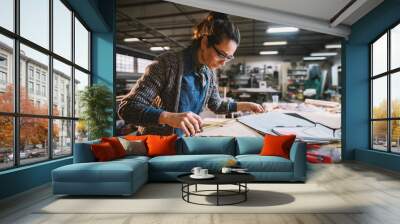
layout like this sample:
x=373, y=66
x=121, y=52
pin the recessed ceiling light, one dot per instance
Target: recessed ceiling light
x=282, y=29
x=314, y=58
x=333, y=46
x=156, y=48
x=132, y=39
x=268, y=52
x=274, y=43
x=318, y=54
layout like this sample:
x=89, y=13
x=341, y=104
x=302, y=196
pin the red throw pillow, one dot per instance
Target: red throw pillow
x=277, y=145
x=161, y=145
x=103, y=152
x=116, y=145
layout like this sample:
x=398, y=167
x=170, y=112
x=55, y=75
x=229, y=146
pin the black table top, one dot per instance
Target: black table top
x=220, y=178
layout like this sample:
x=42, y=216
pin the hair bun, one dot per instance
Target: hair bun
x=218, y=16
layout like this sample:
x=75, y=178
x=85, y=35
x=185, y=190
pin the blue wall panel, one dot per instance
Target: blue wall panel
x=356, y=100
x=24, y=178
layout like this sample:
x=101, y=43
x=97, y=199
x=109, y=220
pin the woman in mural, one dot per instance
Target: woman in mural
x=177, y=87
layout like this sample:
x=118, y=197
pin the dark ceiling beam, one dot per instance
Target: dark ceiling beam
x=189, y=18
x=246, y=41
x=161, y=28
x=136, y=21
x=171, y=15
x=172, y=27
x=138, y=4
x=312, y=35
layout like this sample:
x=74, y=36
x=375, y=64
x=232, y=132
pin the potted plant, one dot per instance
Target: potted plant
x=96, y=104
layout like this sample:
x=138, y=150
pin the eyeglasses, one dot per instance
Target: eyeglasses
x=222, y=55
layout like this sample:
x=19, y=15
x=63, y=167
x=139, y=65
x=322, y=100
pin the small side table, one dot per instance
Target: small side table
x=238, y=179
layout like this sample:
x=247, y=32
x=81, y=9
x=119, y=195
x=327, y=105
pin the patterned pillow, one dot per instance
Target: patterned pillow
x=133, y=147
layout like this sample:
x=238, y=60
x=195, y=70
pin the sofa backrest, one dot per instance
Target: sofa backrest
x=206, y=145
x=83, y=153
x=249, y=145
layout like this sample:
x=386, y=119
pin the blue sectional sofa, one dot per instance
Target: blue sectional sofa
x=125, y=176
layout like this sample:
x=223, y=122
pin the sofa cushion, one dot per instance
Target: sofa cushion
x=257, y=163
x=134, y=147
x=161, y=145
x=83, y=153
x=185, y=163
x=131, y=158
x=277, y=145
x=104, y=152
x=116, y=145
x=249, y=145
x=112, y=171
x=135, y=137
x=207, y=145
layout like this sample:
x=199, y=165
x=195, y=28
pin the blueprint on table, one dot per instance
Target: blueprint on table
x=280, y=123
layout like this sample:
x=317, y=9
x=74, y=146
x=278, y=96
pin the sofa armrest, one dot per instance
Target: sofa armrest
x=83, y=152
x=298, y=157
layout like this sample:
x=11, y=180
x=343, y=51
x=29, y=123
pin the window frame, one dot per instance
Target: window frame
x=16, y=114
x=388, y=74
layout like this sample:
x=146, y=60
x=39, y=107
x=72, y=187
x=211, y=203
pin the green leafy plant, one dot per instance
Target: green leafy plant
x=96, y=104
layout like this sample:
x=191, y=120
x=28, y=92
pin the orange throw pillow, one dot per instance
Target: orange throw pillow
x=277, y=145
x=103, y=152
x=136, y=137
x=161, y=145
x=116, y=145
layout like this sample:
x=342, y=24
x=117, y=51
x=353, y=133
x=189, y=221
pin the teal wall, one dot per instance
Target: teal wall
x=24, y=178
x=99, y=15
x=103, y=54
x=356, y=99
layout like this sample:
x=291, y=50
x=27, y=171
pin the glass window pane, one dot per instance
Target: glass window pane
x=6, y=74
x=33, y=139
x=379, y=135
x=395, y=136
x=395, y=94
x=81, y=81
x=142, y=64
x=34, y=97
x=6, y=142
x=35, y=21
x=7, y=14
x=379, y=98
x=62, y=29
x=62, y=138
x=379, y=55
x=81, y=45
x=395, y=47
x=124, y=63
x=62, y=89
x=81, y=131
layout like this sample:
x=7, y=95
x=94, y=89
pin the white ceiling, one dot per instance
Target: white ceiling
x=313, y=15
x=319, y=9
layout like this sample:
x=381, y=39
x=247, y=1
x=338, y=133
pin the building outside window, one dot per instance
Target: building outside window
x=30, y=87
x=30, y=72
x=43, y=90
x=3, y=72
x=38, y=89
x=37, y=74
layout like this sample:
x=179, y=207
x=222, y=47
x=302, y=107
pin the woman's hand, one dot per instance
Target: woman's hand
x=189, y=122
x=249, y=106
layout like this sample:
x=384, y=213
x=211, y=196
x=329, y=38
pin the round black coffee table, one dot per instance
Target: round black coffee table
x=238, y=179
